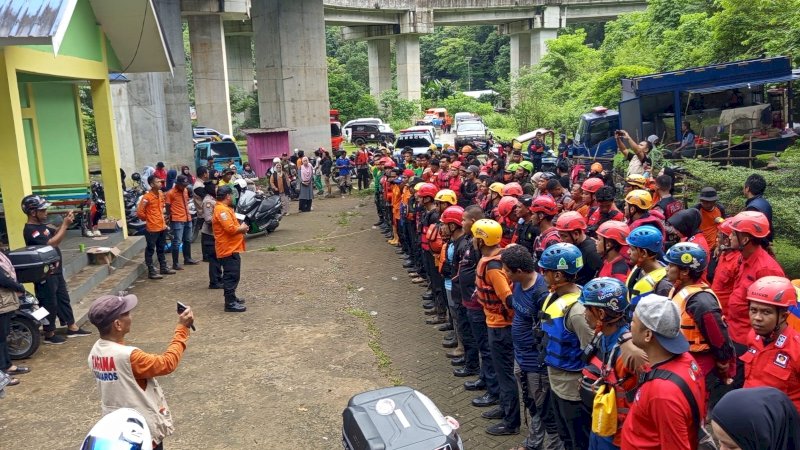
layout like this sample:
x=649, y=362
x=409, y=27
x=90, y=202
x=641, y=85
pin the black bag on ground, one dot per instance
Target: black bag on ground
x=397, y=418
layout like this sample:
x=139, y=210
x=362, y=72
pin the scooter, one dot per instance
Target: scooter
x=24, y=337
x=132, y=197
x=261, y=212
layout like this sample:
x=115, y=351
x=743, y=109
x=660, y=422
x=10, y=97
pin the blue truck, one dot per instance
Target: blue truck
x=740, y=101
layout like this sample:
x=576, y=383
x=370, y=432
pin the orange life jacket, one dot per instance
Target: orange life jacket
x=691, y=331
x=433, y=239
x=486, y=294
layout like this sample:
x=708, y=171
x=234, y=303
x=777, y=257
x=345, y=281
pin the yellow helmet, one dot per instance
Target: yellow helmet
x=446, y=196
x=637, y=180
x=433, y=147
x=516, y=145
x=418, y=185
x=496, y=187
x=639, y=198
x=489, y=231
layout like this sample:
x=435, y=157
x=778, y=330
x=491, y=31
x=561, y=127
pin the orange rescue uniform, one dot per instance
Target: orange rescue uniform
x=151, y=210
x=178, y=202
x=227, y=238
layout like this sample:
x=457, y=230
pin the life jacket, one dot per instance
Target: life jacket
x=597, y=372
x=424, y=223
x=691, y=331
x=486, y=294
x=561, y=347
x=434, y=239
x=639, y=287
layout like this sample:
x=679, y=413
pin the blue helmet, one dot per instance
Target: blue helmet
x=562, y=257
x=647, y=237
x=687, y=255
x=605, y=292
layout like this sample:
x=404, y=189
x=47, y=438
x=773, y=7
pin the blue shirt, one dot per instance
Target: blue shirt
x=451, y=250
x=760, y=204
x=343, y=164
x=527, y=304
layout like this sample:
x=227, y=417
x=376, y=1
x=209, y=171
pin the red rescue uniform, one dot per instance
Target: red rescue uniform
x=776, y=364
x=725, y=275
x=759, y=264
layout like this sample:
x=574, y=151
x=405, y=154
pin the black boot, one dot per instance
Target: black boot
x=153, y=274
x=165, y=270
x=234, y=306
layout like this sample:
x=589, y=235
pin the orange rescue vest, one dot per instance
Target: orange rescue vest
x=691, y=331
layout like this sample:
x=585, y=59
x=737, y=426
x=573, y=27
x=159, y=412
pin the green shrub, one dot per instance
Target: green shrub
x=497, y=120
x=789, y=257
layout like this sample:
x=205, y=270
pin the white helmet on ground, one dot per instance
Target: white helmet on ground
x=122, y=429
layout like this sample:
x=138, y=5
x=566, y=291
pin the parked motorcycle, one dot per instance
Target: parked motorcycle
x=24, y=337
x=261, y=212
x=132, y=197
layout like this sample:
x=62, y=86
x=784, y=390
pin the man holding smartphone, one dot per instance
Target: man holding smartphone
x=125, y=375
x=228, y=242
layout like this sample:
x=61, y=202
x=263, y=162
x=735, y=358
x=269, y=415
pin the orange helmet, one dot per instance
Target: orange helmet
x=544, y=204
x=466, y=149
x=513, y=189
x=636, y=180
x=753, y=223
x=453, y=214
x=506, y=205
x=775, y=291
x=592, y=185
x=615, y=231
x=571, y=221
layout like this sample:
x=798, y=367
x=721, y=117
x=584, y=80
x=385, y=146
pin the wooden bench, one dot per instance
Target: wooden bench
x=64, y=197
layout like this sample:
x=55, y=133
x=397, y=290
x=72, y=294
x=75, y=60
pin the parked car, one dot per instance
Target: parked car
x=469, y=131
x=363, y=133
x=200, y=132
x=430, y=129
x=420, y=141
x=462, y=116
x=224, y=152
x=348, y=127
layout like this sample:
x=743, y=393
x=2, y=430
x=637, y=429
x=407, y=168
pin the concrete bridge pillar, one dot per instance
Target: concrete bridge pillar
x=538, y=43
x=520, y=52
x=239, y=52
x=380, y=66
x=210, y=71
x=409, y=75
x=292, y=70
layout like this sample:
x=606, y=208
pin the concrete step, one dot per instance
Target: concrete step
x=119, y=280
x=73, y=259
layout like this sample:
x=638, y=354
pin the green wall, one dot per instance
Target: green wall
x=27, y=126
x=59, y=133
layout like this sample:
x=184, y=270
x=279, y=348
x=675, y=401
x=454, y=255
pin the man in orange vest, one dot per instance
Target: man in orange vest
x=701, y=313
x=494, y=294
x=151, y=210
x=773, y=348
x=228, y=242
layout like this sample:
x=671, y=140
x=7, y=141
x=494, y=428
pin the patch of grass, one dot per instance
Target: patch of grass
x=364, y=193
x=343, y=217
x=374, y=334
x=300, y=248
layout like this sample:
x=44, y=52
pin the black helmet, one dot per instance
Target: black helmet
x=224, y=191
x=604, y=194
x=136, y=177
x=32, y=203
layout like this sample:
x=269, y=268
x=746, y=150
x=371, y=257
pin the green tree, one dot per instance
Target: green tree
x=749, y=29
x=350, y=97
x=607, y=90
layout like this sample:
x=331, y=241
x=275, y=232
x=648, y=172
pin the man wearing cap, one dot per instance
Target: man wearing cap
x=151, y=210
x=125, y=375
x=469, y=186
x=710, y=211
x=228, y=242
x=671, y=402
x=180, y=221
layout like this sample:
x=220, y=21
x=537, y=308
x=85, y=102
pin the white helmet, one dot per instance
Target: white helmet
x=241, y=183
x=123, y=429
x=276, y=160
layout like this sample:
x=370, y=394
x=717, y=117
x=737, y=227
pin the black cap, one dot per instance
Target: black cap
x=709, y=194
x=526, y=200
x=159, y=164
x=434, y=162
x=182, y=180
x=223, y=192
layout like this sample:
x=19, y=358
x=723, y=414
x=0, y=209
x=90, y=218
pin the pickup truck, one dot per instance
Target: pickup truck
x=472, y=132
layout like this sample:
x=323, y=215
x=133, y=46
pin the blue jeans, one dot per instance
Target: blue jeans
x=181, y=233
x=477, y=321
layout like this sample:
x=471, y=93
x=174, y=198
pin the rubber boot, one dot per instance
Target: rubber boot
x=395, y=237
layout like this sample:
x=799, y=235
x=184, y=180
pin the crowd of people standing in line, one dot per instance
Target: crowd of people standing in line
x=627, y=323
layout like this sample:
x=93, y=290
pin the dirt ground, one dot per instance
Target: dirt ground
x=321, y=326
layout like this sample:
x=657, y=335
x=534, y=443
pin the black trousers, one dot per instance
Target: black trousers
x=502, y=348
x=477, y=322
x=231, y=270
x=363, y=178
x=53, y=295
x=214, y=267
x=436, y=284
x=156, y=240
x=471, y=354
x=574, y=422
x=5, y=328
x=379, y=204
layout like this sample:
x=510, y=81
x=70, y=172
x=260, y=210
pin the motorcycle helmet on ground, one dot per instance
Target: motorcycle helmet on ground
x=562, y=257
x=122, y=429
x=647, y=237
x=487, y=230
x=687, y=255
x=446, y=196
x=607, y=293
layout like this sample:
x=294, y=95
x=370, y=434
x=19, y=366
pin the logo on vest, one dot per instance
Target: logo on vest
x=104, y=368
x=781, y=341
x=782, y=360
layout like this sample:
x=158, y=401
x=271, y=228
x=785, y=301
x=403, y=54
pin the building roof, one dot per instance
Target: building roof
x=132, y=28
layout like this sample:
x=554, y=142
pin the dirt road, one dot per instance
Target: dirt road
x=330, y=313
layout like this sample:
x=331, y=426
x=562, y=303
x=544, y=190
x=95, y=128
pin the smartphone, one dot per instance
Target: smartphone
x=181, y=309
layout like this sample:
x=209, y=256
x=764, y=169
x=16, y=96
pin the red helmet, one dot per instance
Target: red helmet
x=389, y=164
x=453, y=214
x=753, y=223
x=571, y=221
x=544, y=204
x=506, y=205
x=455, y=165
x=615, y=231
x=724, y=226
x=512, y=188
x=427, y=190
x=385, y=160
x=775, y=291
x=592, y=185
